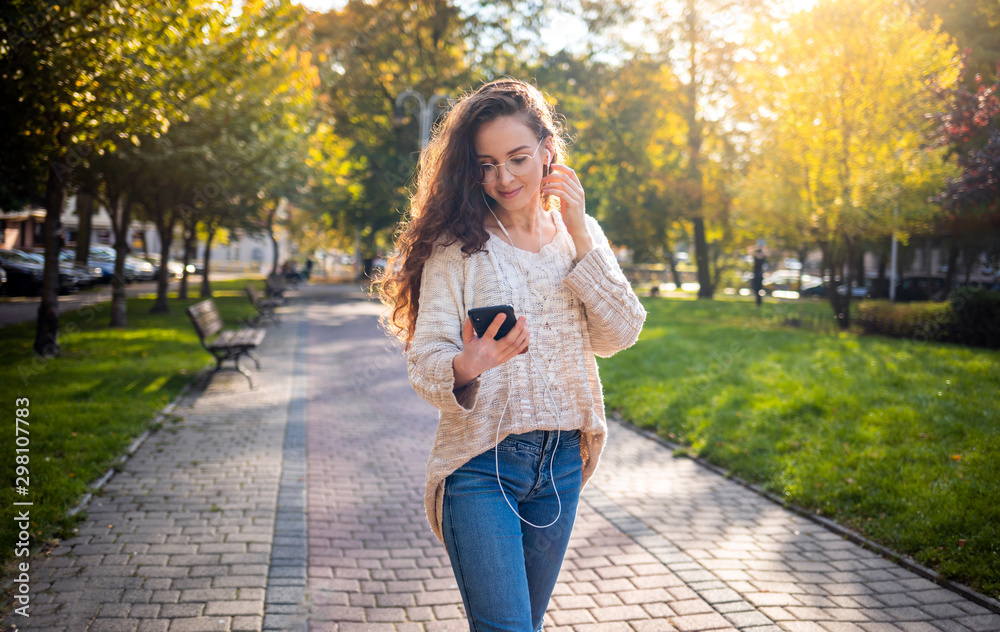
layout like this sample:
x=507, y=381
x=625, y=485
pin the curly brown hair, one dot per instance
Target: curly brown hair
x=448, y=202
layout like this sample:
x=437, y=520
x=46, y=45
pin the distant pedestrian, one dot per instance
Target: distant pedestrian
x=759, y=263
x=484, y=230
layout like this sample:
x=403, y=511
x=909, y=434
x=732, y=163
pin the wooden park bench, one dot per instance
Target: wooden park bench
x=275, y=288
x=230, y=344
x=264, y=306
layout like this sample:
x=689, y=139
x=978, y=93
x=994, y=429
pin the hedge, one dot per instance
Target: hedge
x=970, y=316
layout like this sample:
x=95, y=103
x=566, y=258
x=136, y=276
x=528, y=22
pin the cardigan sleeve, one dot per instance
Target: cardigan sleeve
x=437, y=335
x=614, y=314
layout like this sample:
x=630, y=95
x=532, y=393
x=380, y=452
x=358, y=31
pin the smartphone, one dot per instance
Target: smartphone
x=482, y=318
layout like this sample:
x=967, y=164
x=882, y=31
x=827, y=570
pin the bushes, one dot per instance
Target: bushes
x=971, y=316
x=977, y=316
x=925, y=320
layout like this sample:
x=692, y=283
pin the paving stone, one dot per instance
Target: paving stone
x=981, y=623
x=692, y=622
x=200, y=624
x=878, y=627
x=114, y=625
x=747, y=619
x=801, y=626
x=224, y=521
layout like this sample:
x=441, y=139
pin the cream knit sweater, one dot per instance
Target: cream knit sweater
x=573, y=311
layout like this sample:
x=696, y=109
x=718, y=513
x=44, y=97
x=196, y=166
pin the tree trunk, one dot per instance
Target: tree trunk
x=949, y=275
x=274, y=240
x=190, y=235
x=832, y=267
x=359, y=271
x=802, y=253
x=845, y=316
x=694, y=177
x=206, y=289
x=122, y=217
x=165, y=228
x=928, y=268
x=47, y=329
x=881, y=283
x=84, y=211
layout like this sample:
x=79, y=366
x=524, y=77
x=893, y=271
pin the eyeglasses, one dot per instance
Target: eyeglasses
x=518, y=165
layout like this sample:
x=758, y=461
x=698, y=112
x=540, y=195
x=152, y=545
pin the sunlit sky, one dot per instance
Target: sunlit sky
x=569, y=32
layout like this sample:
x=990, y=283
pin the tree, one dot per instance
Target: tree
x=628, y=144
x=77, y=77
x=975, y=27
x=842, y=91
x=969, y=129
x=237, y=72
x=369, y=53
x=700, y=39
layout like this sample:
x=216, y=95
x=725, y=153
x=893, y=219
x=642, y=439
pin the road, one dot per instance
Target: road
x=20, y=309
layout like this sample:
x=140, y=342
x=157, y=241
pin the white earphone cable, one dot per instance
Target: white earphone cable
x=496, y=453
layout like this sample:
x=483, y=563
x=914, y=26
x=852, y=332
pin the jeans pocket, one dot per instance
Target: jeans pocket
x=570, y=438
x=509, y=444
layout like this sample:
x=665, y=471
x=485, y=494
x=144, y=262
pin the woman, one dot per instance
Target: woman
x=521, y=418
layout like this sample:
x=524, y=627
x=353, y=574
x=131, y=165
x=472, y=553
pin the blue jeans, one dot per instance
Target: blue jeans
x=506, y=569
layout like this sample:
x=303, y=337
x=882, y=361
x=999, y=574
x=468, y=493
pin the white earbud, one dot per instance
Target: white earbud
x=548, y=157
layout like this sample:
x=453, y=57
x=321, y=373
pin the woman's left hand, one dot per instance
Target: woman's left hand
x=563, y=183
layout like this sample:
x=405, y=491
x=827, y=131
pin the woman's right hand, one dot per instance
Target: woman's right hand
x=482, y=354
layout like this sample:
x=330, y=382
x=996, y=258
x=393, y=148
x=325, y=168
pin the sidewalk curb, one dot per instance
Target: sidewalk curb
x=906, y=562
x=192, y=390
x=158, y=419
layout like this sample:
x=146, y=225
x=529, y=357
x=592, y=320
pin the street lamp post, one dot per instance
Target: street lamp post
x=427, y=110
x=894, y=274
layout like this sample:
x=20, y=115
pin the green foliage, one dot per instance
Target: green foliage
x=971, y=316
x=894, y=438
x=977, y=316
x=926, y=320
x=89, y=404
x=371, y=53
x=629, y=144
x=975, y=26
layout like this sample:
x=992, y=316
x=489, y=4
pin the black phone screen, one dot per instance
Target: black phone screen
x=482, y=317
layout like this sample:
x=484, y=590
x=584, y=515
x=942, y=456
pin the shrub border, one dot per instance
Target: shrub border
x=906, y=562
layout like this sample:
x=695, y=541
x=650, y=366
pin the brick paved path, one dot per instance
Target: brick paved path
x=660, y=543
x=180, y=539
x=209, y=523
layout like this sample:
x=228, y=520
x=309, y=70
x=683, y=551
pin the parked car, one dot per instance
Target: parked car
x=868, y=290
x=857, y=291
x=92, y=273
x=70, y=279
x=174, y=267
x=98, y=261
x=144, y=270
x=135, y=268
x=788, y=280
x=85, y=275
x=24, y=274
x=3, y=281
x=920, y=288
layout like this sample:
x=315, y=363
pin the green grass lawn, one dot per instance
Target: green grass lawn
x=897, y=439
x=90, y=403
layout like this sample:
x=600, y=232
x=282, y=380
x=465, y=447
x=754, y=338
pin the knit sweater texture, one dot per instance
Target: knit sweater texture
x=574, y=311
